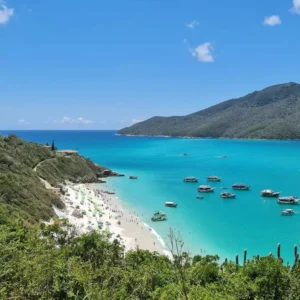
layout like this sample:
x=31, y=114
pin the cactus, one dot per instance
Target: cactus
x=237, y=259
x=295, y=250
x=245, y=256
x=278, y=251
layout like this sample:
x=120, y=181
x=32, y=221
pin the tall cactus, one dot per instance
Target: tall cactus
x=278, y=251
x=295, y=251
x=245, y=256
x=237, y=260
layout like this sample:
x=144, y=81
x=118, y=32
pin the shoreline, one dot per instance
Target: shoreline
x=89, y=207
x=205, y=138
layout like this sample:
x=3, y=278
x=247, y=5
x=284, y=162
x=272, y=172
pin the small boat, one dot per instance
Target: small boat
x=224, y=188
x=170, y=204
x=240, y=186
x=185, y=154
x=199, y=197
x=227, y=195
x=224, y=156
x=159, y=216
x=269, y=193
x=288, y=200
x=287, y=212
x=190, y=179
x=213, y=178
x=205, y=189
x=133, y=177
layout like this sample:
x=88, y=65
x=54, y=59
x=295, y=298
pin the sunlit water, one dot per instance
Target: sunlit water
x=213, y=225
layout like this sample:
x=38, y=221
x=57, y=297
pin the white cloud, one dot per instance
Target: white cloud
x=23, y=122
x=272, y=20
x=192, y=24
x=68, y=120
x=203, y=52
x=133, y=121
x=296, y=7
x=5, y=13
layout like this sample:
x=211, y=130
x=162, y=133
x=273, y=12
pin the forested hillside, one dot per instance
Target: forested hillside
x=272, y=113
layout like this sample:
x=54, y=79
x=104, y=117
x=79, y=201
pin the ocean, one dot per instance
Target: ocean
x=211, y=225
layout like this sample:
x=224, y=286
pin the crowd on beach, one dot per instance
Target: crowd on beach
x=90, y=208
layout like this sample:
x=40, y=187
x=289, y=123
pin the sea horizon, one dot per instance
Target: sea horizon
x=212, y=225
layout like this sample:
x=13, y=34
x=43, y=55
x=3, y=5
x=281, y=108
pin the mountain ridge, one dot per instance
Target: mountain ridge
x=271, y=113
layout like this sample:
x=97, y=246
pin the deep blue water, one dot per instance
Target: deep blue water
x=215, y=225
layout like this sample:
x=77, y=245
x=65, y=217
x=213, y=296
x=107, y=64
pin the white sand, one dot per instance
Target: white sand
x=128, y=228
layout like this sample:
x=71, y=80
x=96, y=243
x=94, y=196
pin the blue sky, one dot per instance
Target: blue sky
x=106, y=64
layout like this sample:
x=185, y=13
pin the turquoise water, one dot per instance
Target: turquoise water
x=213, y=224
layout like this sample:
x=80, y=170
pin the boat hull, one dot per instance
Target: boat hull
x=275, y=195
x=174, y=205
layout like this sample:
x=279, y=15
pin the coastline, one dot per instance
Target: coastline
x=89, y=204
x=205, y=138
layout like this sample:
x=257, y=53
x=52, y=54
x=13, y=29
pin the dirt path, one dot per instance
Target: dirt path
x=45, y=182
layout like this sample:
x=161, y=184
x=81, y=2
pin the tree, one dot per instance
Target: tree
x=53, y=148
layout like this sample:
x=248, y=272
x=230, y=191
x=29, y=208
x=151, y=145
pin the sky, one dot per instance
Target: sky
x=108, y=64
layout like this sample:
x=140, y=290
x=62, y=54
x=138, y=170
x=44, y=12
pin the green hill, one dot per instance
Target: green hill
x=272, y=113
x=21, y=164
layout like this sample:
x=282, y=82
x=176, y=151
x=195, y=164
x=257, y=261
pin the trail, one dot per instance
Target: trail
x=48, y=186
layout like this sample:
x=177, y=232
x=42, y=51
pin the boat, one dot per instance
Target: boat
x=159, y=216
x=240, y=186
x=287, y=212
x=133, y=177
x=190, y=179
x=227, y=195
x=199, y=197
x=213, y=178
x=288, y=200
x=269, y=193
x=185, y=154
x=224, y=156
x=170, y=204
x=205, y=189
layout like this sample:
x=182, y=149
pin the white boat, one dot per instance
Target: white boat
x=288, y=200
x=287, y=212
x=227, y=195
x=170, y=204
x=205, y=189
x=269, y=193
x=190, y=179
x=213, y=178
x=240, y=186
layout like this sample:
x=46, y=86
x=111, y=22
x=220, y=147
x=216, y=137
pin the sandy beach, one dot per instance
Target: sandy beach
x=89, y=207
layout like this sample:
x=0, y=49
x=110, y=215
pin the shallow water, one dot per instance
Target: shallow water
x=213, y=225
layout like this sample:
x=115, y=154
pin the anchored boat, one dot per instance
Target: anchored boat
x=190, y=179
x=170, y=204
x=227, y=195
x=205, y=189
x=287, y=212
x=213, y=178
x=269, y=193
x=133, y=177
x=240, y=186
x=159, y=216
x=288, y=200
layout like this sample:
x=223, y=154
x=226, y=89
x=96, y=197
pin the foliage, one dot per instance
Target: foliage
x=50, y=262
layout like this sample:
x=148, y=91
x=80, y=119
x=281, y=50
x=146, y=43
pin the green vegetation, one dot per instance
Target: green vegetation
x=272, y=113
x=48, y=262
x=21, y=164
x=51, y=262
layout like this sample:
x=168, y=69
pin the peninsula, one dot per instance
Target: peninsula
x=272, y=113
